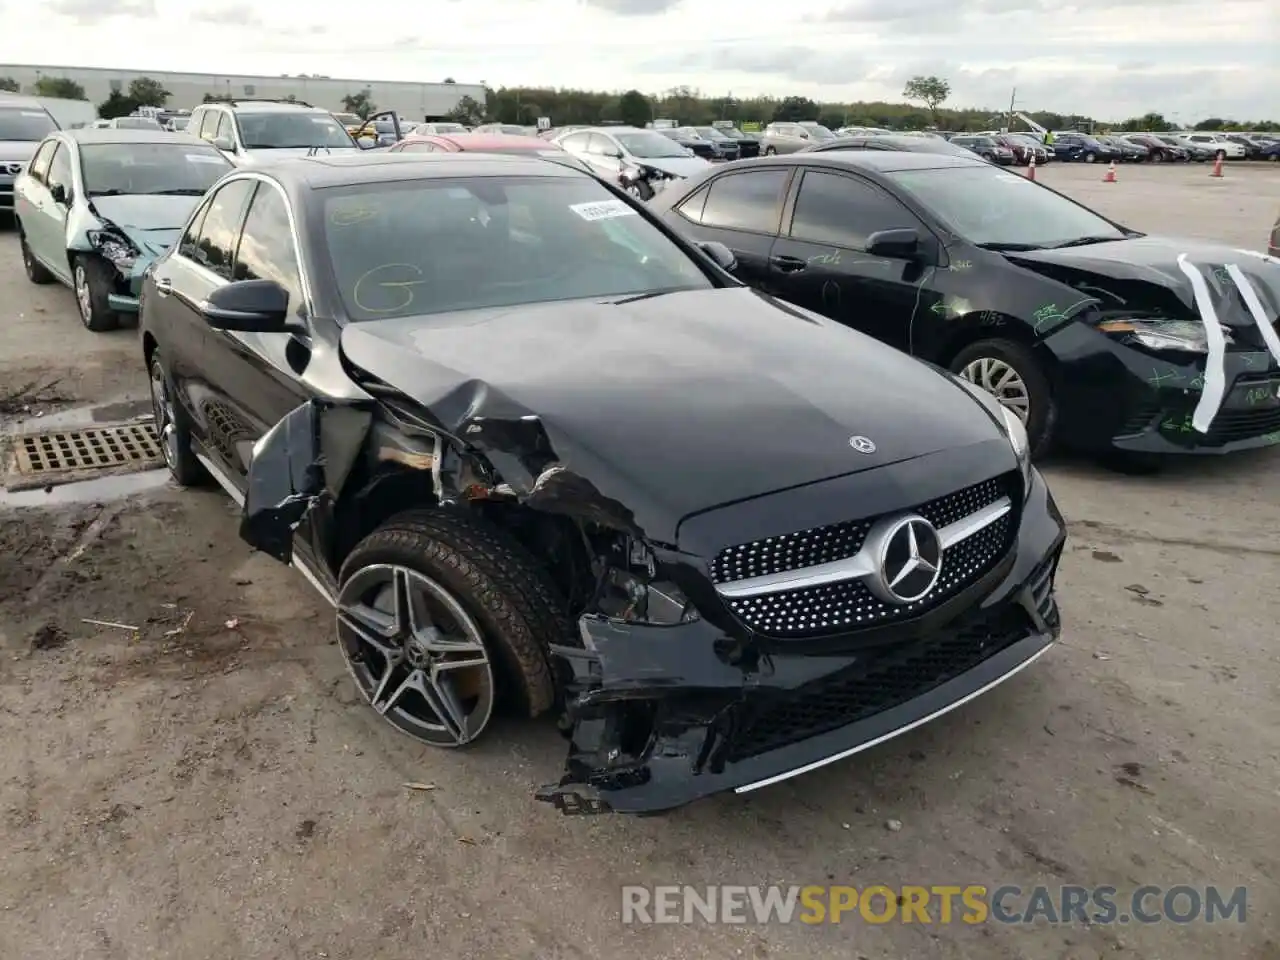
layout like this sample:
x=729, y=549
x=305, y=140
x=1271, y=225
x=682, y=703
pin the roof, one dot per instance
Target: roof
x=882, y=161
x=131, y=135
x=340, y=170
x=16, y=101
x=249, y=105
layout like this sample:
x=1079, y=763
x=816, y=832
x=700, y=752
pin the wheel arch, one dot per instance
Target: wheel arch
x=995, y=325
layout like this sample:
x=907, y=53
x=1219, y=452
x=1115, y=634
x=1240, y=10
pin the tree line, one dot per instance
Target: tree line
x=923, y=107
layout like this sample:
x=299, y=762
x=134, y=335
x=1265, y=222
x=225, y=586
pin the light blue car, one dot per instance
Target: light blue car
x=95, y=206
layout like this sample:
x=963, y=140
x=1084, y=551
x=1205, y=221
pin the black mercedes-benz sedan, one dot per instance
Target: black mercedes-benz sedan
x=539, y=451
x=1095, y=335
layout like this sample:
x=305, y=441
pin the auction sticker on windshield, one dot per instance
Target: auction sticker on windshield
x=602, y=210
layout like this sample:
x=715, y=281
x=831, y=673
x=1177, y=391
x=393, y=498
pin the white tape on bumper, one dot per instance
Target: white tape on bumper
x=1254, y=304
x=1215, y=363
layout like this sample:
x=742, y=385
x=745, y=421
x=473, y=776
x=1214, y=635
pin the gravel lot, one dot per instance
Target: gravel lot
x=209, y=787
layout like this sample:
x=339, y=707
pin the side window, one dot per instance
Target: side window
x=60, y=168
x=220, y=231
x=209, y=123
x=691, y=209
x=266, y=245
x=192, y=125
x=746, y=201
x=39, y=168
x=843, y=212
x=601, y=146
x=191, y=239
x=226, y=127
x=576, y=143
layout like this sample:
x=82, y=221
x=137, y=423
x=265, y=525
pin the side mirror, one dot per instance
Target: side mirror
x=224, y=143
x=721, y=254
x=248, y=306
x=899, y=244
x=366, y=142
x=60, y=194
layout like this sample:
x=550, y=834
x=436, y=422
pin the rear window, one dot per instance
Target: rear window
x=19, y=124
x=433, y=246
x=173, y=169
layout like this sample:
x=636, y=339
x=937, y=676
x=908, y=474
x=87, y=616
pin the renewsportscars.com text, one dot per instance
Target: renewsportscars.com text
x=972, y=904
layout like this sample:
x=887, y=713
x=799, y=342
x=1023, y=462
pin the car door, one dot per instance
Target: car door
x=181, y=281
x=742, y=210
x=31, y=203
x=52, y=216
x=576, y=143
x=253, y=378
x=820, y=261
x=605, y=156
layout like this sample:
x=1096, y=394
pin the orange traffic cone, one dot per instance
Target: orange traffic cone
x=1031, y=168
x=1111, y=174
x=1217, y=167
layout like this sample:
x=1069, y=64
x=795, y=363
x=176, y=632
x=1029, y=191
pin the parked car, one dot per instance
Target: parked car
x=1251, y=144
x=1090, y=332
x=1270, y=151
x=984, y=147
x=1123, y=150
x=499, y=143
x=1158, y=150
x=510, y=129
x=380, y=130
x=96, y=207
x=351, y=121
x=688, y=138
x=452, y=460
x=441, y=129
x=790, y=137
x=891, y=142
x=644, y=161
x=1079, y=146
x=1219, y=145
x=730, y=148
x=133, y=123
x=1199, y=152
x=1042, y=153
x=252, y=132
x=1019, y=149
x=24, y=123
x=748, y=144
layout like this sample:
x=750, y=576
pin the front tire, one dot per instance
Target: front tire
x=640, y=190
x=1090, y=157
x=91, y=281
x=173, y=429
x=441, y=616
x=34, y=270
x=1010, y=372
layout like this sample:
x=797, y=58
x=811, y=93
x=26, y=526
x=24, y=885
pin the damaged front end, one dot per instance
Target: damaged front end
x=114, y=246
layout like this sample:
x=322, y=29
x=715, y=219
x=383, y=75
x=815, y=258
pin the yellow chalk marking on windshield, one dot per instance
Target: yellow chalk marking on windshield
x=404, y=286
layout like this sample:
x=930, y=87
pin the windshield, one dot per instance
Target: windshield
x=25, y=124
x=176, y=169
x=650, y=146
x=989, y=206
x=818, y=131
x=731, y=132
x=282, y=131
x=432, y=246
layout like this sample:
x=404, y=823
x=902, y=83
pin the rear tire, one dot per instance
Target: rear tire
x=508, y=607
x=91, y=281
x=987, y=363
x=35, y=271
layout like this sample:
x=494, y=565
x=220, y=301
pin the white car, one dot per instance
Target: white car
x=631, y=156
x=1227, y=149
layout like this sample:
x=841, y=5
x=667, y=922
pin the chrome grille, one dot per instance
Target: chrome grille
x=838, y=541
x=850, y=605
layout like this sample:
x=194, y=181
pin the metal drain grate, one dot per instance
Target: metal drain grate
x=93, y=448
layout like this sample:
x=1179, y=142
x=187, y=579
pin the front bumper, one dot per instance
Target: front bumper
x=124, y=299
x=662, y=716
x=1112, y=397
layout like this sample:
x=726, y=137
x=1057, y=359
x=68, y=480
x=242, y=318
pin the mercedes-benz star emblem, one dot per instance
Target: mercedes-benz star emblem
x=862, y=444
x=910, y=561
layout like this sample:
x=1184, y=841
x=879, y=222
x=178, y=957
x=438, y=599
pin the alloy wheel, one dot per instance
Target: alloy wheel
x=83, y=297
x=162, y=414
x=1001, y=381
x=416, y=654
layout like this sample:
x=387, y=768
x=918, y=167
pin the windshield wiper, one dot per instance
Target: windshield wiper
x=176, y=192
x=645, y=296
x=1083, y=242
x=113, y=192
x=1009, y=247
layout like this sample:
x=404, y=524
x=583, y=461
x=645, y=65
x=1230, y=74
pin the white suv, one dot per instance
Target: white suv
x=1220, y=145
x=256, y=131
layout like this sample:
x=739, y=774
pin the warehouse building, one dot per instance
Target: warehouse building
x=416, y=101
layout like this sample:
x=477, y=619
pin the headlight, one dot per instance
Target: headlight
x=1184, y=335
x=1014, y=429
x=114, y=248
x=637, y=594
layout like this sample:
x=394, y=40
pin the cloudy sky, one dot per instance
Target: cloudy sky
x=1109, y=58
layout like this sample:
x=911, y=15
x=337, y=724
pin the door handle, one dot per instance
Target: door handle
x=164, y=286
x=788, y=264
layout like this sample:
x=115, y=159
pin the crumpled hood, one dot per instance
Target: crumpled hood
x=22, y=150
x=677, y=166
x=674, y=404
x=1143, y=273
x=153, y=223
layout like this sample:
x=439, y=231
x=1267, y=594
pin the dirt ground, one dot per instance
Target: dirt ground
x=199, y=781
